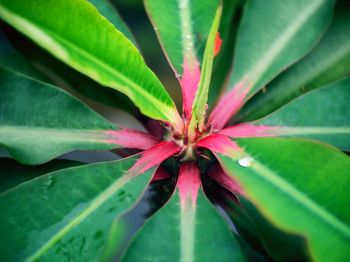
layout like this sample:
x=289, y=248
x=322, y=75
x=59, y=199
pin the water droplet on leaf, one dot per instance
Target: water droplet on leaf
x=246, y=161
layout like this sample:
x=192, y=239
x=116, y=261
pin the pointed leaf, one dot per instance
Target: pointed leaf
x=73, y=211
x=39, y=122
x=328, y=62
x=200, y=105
x=228, y=32
x=190, y=22
x=322, y=114
x=89, y=43
x=301, y=187
x=272, y=36
x=184, y=230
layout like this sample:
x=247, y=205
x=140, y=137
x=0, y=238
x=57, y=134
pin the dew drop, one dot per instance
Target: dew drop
x=155, y=28
x=246, y=161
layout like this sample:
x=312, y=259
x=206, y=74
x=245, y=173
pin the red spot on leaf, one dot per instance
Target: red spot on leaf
x=218, y=43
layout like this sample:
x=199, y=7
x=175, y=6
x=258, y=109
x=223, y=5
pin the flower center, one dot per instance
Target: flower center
x=188, y=143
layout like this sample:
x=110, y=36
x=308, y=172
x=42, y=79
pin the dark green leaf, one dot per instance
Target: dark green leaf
x=328, y=62
x=273, y=35
x=199, y=234
x=66, y=215
x=12, y=173
x=323, y=114
x=39, y=122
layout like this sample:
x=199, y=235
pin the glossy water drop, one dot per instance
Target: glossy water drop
x=246, y=161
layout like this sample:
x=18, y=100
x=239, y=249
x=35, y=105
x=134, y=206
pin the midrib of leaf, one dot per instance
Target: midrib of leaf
x=94, y=205
x=58, y=133
x=278, y=45
x=48, y=42
x=187, y=229
x=285, y=130
x=187, y=33
x=291, y=192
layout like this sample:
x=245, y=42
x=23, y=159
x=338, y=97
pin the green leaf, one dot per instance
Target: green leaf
x=66, y=215
x=182, y=27
x=54, y=71
x=106, y=8
x=301, y=187
x=39, y=122
x=184, y=228
x=273, y=35
x=262, y=236
x=322, y=114
x=200, y=106
x=228, y=32
x=328, y=62
x=15, y=174
x=85, y=40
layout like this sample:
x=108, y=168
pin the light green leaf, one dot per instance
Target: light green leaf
x=228, y=32
x=328, y=62
x=35, y=62
x=199, y=107
x=106, y=8
x=301, y=187
x=85, y=40
x=66, y=215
